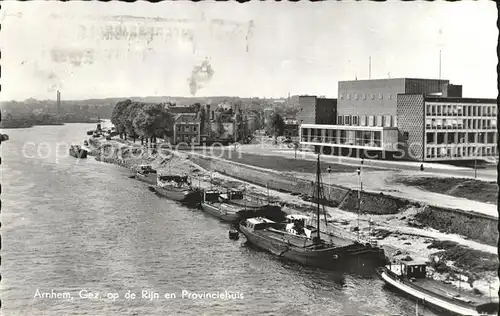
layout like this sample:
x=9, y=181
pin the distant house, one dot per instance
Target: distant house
x=291, y=127
x=187, y=129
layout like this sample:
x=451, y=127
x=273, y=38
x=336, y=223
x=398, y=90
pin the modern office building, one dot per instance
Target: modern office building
x=399, y=118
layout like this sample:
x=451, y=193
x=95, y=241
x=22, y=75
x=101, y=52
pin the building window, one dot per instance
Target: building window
x=430, y=138
x=348, y=96
x=438, y=109
x=380, y=96
x=373, y=96
x=363, y=120
x=364, y=96
x=370, y=120
x=339, y=119
x=355, y=120
x=379, y=120
x=428, y=123
x=494, y=110
x=341, y=96
x=194, y=128
x=356, y=96
x=347, y=120
x=387, y=120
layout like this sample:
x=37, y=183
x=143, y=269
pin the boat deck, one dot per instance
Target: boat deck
x=450, y=291
x=302, y=241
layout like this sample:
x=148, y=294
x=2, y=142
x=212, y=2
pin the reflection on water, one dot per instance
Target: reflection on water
x=70, y=225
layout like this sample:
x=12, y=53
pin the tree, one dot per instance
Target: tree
x=117, y=116
x=276, y=125
x=220, y=125
x=152, y=120
x=128, y=119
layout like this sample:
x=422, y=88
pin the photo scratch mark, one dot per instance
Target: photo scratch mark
x=200, y=76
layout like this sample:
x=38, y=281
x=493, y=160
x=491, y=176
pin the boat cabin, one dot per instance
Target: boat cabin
x=259, y=223
x=211, y=196
x=409, y=269
x=170, y=178
x=233, y=194
x=145, y=169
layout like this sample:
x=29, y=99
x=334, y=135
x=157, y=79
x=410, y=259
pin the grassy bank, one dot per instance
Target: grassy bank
x=279, y=163
x=481, y=229
x=475, y=190
x=464, y=258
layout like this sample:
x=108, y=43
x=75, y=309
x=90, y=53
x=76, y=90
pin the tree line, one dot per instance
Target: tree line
x=146, y=121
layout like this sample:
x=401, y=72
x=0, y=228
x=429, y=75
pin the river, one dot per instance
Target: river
x=84, y=227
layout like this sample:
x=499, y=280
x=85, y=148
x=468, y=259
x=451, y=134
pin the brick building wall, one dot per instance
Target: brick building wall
x=307, y=112
x=411, y=117
x=326, y=111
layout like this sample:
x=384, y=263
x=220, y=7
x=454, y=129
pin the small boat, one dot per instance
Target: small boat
x=412, y=279
x=307, y=245
x=90, y=133
x=85, y=142
x=177, y=188
x=212, y=204
x=237, y=198
x=230, y=209
x=77, y=151
x=146, y=174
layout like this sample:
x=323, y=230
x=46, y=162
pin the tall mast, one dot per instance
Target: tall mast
x=318, y=184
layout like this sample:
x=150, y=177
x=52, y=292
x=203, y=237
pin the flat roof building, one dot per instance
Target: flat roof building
x=411, y=119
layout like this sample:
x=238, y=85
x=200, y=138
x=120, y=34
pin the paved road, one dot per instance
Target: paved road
x=487, y=174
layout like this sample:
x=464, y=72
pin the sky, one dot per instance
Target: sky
x=257, y=49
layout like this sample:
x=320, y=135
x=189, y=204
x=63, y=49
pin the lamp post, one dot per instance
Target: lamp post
x=329, y=170
x=475, y=156
x=359, y=195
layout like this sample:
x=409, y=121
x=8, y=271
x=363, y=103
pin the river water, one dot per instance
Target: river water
x=84, y=227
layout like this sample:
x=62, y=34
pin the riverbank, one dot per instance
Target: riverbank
x=400, y=234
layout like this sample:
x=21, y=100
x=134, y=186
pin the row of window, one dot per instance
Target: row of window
x=461, y=110
x=365, y=96
x=442, y=138
x=460, y=123
x=353, y=138
x=456, y=152
x=367, y=120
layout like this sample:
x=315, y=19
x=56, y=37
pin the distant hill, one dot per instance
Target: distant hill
x=82, y=109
